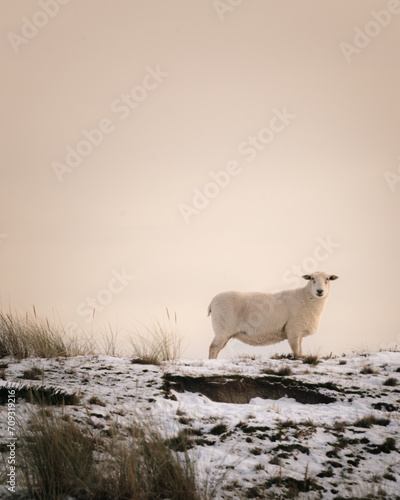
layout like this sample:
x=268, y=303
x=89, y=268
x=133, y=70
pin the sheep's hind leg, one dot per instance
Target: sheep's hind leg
x=216, y=346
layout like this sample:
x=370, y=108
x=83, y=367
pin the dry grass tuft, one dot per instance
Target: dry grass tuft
x=161, y=341
x=26, y=335
x=391, y=382
x=311, y=359
x=369, y=420
x=368, y=370
x=56, y=457
x=60, y=459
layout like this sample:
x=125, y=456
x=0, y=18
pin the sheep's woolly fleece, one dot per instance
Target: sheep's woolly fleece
x=304, y=436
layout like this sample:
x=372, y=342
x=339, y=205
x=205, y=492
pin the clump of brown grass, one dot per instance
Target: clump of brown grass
x=160, y=341
x=34, y=373
x=27, y=335
x=368, y=370
x=60, y=458
x=311, y=359
x=391, y=382
x=369, y=420
x=56, y=456
x=283, y=371
x=24, y=335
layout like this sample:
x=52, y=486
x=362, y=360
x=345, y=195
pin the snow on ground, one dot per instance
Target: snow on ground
x=324, y=431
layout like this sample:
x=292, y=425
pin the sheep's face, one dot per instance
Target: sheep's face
x=319, y=284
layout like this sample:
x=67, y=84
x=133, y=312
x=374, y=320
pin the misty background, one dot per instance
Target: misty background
x=157, y=153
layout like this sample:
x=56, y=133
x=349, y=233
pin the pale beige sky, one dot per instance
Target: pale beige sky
x=120, y=118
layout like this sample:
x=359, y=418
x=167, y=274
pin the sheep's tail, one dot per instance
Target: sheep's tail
x=209, y=310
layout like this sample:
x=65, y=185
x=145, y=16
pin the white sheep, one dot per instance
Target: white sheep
x=267, y=318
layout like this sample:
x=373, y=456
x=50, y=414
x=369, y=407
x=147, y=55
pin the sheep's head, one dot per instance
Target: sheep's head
x=319, y=283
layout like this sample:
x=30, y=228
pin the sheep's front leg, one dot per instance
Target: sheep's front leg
x=295, y=344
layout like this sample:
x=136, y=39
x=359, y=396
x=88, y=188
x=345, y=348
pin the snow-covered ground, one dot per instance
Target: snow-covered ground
x=255, y=427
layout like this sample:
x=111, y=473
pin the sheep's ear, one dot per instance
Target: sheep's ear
x=307, y=277
x=333, y=277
